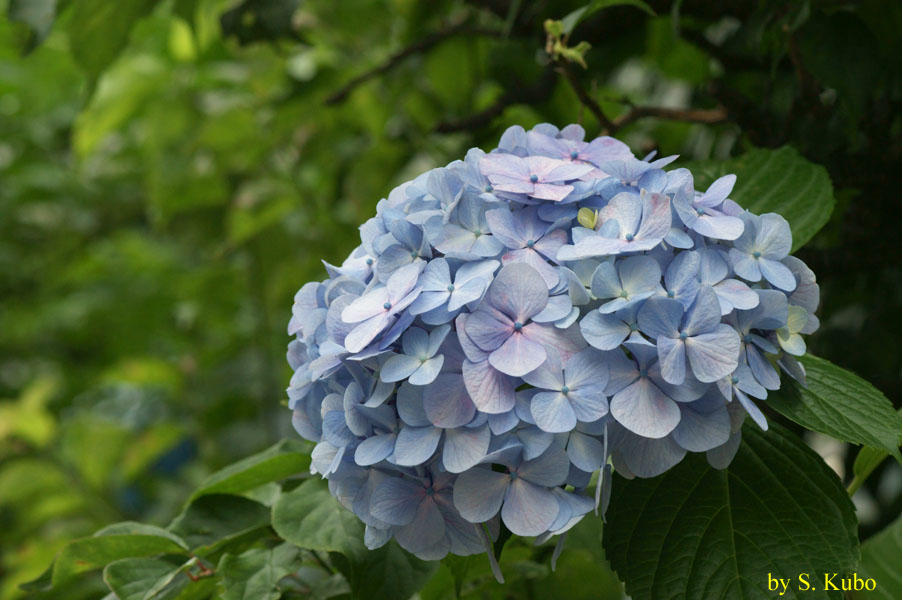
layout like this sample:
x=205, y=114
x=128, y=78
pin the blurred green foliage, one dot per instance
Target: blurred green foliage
x=171, y=172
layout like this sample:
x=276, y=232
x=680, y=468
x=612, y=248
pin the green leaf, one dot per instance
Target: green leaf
x=880, y=562
x=288, y=457
x=135, y=528
x=840, y=404
x=212, y=522
x=310, y=517
x=111, y=544
x=697, y=532
x=99, y=30
x=254, y=574
x=38, y=15
x=779, y=181
x=388, y=573
x=141, y=578
x=580, y=14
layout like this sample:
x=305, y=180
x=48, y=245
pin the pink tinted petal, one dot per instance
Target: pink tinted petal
x=490, y=390
x=486, y=331
x=447, y=403
x=548, y=191
x=519, y=291
x=517, y=356
x=656, y=217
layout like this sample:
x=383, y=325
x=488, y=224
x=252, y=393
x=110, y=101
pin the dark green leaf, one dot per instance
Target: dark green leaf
x=288, y=457
x=840, y=404
x=254, y=574
x=94, y=552
x=212, y=522
x=388, y=573
x=696, y=532
x=260, y=20
x=880, y=562
x=99, y=30
x=310, y=517
x=580, y=14
x=779, y=181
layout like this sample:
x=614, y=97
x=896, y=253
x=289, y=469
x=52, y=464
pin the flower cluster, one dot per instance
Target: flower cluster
x=517, y=323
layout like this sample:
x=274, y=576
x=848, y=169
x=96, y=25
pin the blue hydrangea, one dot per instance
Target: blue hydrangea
x=515, y=326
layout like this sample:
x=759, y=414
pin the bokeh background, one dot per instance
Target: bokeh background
x=171, y=172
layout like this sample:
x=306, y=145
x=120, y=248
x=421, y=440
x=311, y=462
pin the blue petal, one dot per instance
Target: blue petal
x=396, y=500
x=416, y=445
x=479, y=493
x=528, y=509
x=465, y=447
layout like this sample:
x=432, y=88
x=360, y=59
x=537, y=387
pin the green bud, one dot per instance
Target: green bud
x=587, y=218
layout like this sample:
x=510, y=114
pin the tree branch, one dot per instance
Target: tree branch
x=585, y=98
x=689, y=115
x=423, y=45
x=541, y=90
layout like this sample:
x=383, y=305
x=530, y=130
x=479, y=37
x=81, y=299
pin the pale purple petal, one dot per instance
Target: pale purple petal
x=549, y=376
x=704, y=314
x=490, y=390
x=519, y=291
x=672, y=359
x=552, y=412
x=714, y=355
x=447, y=403
x=517, y=356
x=488, y=329
x=643, y=409
x=603, y=331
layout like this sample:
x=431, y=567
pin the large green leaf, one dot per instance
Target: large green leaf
x=99, y=30
x=880, y=561
x=212, y=522
x=282, y=460
x=310, y=517
x=388, y=573
x=122, y=540
x=253, y=575
x=697, y=532
x=576, y=17
x=142, y=578
x=779, y=181
x=840, y=404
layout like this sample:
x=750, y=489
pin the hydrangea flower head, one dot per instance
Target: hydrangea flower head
x=519, y=323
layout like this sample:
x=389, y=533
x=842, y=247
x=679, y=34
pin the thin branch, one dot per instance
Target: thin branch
x=692, y=115
x=423, y=45
x=538, y=92
x=584, y=97
x=689, y=115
